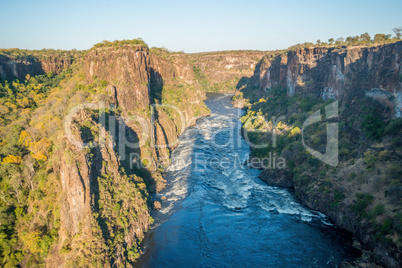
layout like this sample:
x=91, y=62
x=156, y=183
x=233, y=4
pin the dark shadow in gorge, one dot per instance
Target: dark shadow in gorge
x=156, y=84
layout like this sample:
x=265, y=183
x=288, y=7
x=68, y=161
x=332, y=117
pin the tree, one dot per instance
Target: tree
x=398, y=32
x=339, y=41
x=380, y=38
x=365, y=38
x=331, y=41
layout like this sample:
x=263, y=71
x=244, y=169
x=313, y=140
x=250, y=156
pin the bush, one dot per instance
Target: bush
x=369, y=159
x=384, y=229
x=362, y=202
x=373, y=126
x=384, y=155
x=338, y=196
x=394, y=127
x=378, y=210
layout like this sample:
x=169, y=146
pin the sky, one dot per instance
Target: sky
x=191, y=26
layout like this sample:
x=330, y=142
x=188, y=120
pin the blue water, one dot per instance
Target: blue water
x=219, y=214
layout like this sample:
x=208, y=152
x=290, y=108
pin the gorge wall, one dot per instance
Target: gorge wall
x=226, y=70
x=15, y=66
x=359, y=193
x=336, y=72
x=152, y=95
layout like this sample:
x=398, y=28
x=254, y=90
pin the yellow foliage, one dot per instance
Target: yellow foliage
x=262, y=100
x=295, y=131
x=10, y=105
x=280, y=126
x=25, y=138
x=40, y=156
x=38, y=97
x=25, y=112
x=23, y=102
x=12, y=159
x=30, y=240
x=40, y=149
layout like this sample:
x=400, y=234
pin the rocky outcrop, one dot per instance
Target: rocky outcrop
x=154, y=98
x=99, y=201
x=337, y=72
x=128, y=71
x=12, y=67
x=139, y=78
x=226, y=70
x=353, y=192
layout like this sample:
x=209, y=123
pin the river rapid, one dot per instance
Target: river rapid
x=218, y=213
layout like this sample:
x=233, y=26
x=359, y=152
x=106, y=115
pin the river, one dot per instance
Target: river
x=217, y=213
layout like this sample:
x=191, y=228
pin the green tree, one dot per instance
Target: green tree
x=365, y=38
x=339, y=41
x=381, y=38
x=398, y=32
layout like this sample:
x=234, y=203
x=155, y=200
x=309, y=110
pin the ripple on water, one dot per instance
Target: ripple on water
x=225, y=216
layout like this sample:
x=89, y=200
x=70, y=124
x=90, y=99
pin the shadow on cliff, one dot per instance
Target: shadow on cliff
x=243, y=82
x=121, y=135
x=125, y=144
x=156, y=86
x=12, y=69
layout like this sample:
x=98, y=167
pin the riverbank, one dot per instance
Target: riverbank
x=215, y=211
x=359, y=193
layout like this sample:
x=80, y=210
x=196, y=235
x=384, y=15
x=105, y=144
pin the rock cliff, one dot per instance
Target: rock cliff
x=336, y=72
x=358, y=193
x=154, y=97
x=41, y=62
x=150, y=96
x=225, y=70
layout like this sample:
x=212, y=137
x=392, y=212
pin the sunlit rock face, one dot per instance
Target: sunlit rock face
x=337, y=72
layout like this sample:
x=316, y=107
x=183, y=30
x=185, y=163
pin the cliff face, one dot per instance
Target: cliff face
x=101, y=205
x=153, y=97
x=141, y=81
x=127, y=69
x=12, y=67
x=337, y=72
x=359, y=192
x=223, y=70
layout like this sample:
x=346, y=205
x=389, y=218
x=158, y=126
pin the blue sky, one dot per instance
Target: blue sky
x=191, y=26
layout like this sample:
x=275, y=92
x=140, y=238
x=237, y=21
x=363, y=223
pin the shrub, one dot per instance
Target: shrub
x=338, y=196
x=362, y=202
x=378, y=210
x=373, y=126
x=394, y=127
x=384, y=229
x=369, y=159
x=384, y=155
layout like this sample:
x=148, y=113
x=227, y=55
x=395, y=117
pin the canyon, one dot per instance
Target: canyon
x=104, y=202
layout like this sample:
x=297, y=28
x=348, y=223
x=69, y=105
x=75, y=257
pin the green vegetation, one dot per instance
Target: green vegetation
x=373, y=125
x=31, y=116
x=363, y=201
x=121, y=43
x=364, y=39
x=35, y=55
x=364, y=168
x=29, y=210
